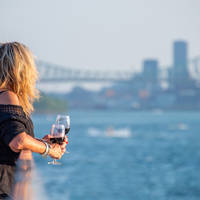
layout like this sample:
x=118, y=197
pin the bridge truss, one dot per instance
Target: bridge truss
x=55, y=73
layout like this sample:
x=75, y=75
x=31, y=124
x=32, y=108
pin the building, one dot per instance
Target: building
x=180, y=73
x=150, y=71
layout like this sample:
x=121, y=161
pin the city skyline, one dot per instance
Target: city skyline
x=180, y=63
x=145, y=90
x=178, y=74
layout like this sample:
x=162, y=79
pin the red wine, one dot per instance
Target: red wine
x=67, y=130
x=57, y=140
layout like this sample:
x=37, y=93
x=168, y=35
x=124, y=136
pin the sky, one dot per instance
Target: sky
x=101, y=34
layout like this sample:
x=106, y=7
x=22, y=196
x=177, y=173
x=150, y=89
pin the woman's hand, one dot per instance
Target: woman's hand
x=47, y=138
x=63, y=145
x=54, y=152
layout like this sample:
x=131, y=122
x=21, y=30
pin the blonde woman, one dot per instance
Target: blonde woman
x=18, y=76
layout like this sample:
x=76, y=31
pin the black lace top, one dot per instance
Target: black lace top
x=13, y=121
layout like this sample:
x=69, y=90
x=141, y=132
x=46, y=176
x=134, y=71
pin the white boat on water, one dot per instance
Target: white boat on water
x=180, y=126
x=110, y=132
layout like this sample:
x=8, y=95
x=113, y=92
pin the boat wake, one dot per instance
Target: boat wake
x=110, y=132
x=179, y=126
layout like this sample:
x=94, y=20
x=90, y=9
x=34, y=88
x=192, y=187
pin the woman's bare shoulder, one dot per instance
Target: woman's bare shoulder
x=9, y=97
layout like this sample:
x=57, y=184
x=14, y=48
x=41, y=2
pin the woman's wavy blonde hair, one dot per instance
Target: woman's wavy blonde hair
x=18, y=73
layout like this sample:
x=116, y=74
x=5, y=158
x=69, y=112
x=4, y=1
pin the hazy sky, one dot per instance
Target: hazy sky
x=101, y=34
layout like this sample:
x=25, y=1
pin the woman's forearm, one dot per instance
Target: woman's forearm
x=24, y=141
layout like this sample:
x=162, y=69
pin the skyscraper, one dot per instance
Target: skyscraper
x=150, y=70
x=180, y=59
x=179, y=76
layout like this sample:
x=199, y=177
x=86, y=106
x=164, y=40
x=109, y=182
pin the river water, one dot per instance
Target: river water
x=117, y=155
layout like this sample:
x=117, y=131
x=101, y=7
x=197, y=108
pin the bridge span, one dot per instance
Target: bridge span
x=55, y=73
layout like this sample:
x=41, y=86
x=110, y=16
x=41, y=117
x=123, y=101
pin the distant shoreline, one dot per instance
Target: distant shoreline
x=117, y=110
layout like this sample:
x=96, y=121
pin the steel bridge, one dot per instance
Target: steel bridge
x=55, y=73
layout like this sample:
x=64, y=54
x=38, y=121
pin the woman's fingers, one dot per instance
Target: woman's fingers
x=47, y=138
x=63, y=147
x=66, y=140
x=55, y=151
x=63, y=150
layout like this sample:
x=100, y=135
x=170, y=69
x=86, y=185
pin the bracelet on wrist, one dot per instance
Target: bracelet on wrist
x=45, y=154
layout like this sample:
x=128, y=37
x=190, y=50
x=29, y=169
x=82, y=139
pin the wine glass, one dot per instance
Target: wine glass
x=64, y=120
x=57, y=135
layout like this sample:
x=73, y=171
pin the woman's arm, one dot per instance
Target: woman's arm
x=24, y=141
